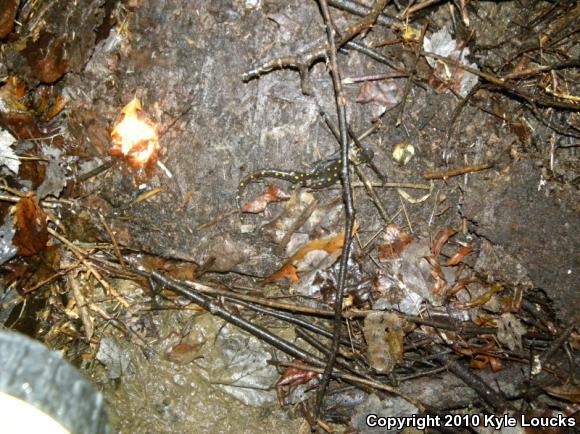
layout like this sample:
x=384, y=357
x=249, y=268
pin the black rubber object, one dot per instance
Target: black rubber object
x=31, y=372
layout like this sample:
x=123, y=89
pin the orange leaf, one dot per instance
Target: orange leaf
x=30, y=222
x=287, y=270
x=458, y=257
x=481, y=361
x=330, y=245
x=441, y=239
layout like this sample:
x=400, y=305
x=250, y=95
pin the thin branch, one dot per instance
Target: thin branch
x=346, y=187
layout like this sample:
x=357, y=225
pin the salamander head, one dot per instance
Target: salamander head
x=362, y=155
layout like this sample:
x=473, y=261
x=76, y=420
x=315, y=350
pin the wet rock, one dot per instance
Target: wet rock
x=534, y=226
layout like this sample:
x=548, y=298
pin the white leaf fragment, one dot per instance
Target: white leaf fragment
x=7, y=156
x=443, y=44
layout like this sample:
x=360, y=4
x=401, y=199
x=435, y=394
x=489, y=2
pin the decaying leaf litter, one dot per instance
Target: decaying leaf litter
x=460, y=289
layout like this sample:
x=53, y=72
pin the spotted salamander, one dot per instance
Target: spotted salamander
x=325, y=174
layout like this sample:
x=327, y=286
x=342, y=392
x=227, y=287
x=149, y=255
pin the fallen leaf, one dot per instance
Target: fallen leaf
x=8, y=157
x=510, y=331
x=30, y=222
x=384, y=334
x=383, y=92
x=185, y=352
x=396, y=240
x=481, y=361
x=287, y=270
x=458, y=257
x=568, y=392
x=482, y=299
x=441, y=239
x=259, y=204
x=331, y=245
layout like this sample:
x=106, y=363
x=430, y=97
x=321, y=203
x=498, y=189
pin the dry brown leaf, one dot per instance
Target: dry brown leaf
x=396, y=240
x=481, y=300
x=30, y=223
x=259, y=204
x=481, y=361
x=383, y=92
x=568, y=392
x=458, y=257
x=384, y=334
x=441, y=239
x=331, y=245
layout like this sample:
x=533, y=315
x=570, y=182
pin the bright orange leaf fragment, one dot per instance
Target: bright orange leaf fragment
x=332, y=245
x=135, y=137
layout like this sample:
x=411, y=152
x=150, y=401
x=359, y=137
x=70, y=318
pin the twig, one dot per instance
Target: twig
x=49, y=279
x=457, y=171
x=559, y=341
x=376, y=77
x=504, y=85
x=396, y=185
x=457, y=112
x=303, y=62
x=496, y=400
x=304, y=310
x=410, y=11
x=409, y=82
x=361, y=10
x=293, y=319
x=80, y=255
x=86, y=318
x=113, y=240
x=361, y=381
x=219, y=311
x=366, y=23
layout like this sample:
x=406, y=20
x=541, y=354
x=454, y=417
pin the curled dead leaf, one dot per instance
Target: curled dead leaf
x=331, y=245
x=482, y=299
x=259, y=204
x=441, y=239
x=481, y=361
x=568, y=392
x=459, y=255
x=30, y=222
x=396, y=240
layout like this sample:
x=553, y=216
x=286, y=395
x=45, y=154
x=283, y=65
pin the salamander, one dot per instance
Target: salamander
x=325, y=174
